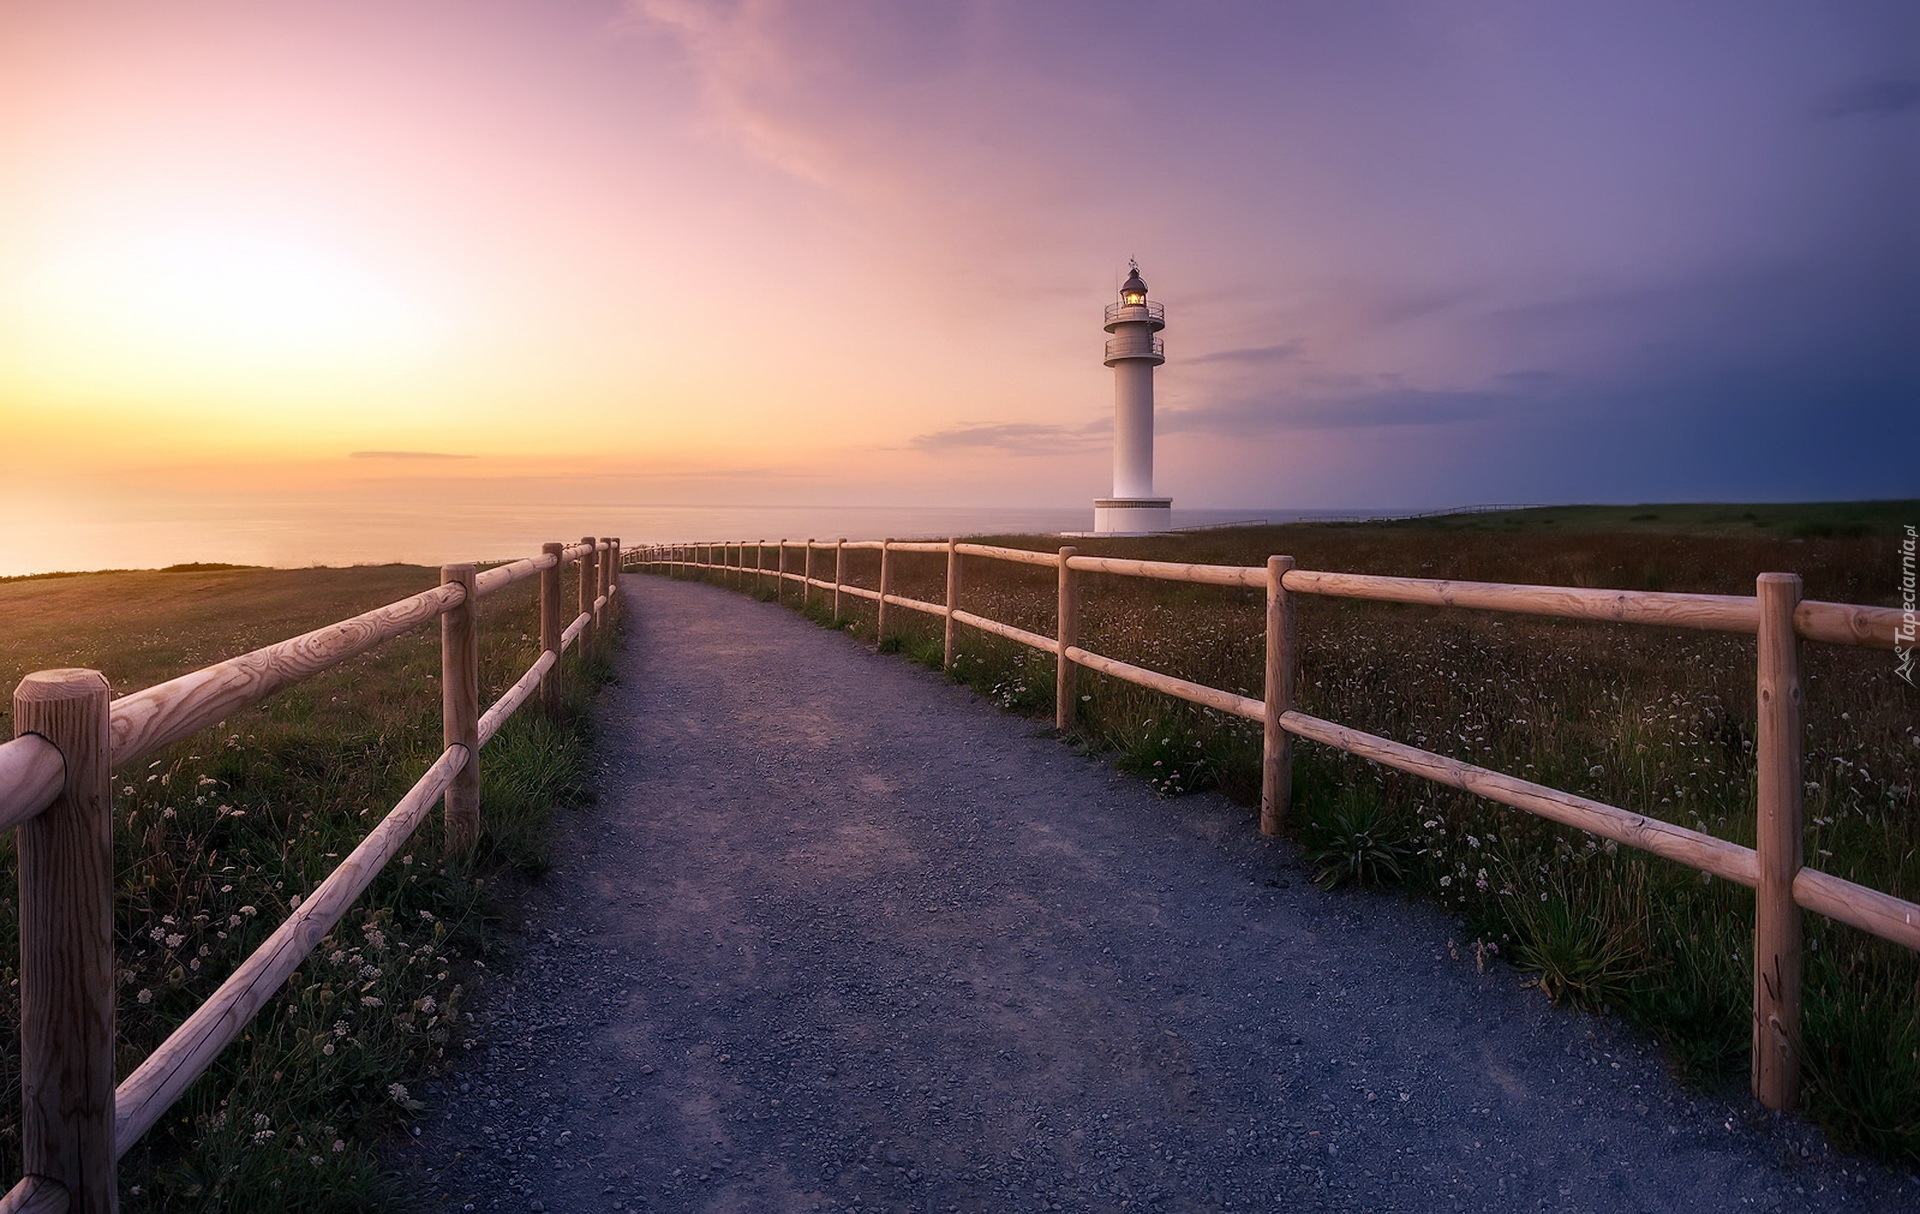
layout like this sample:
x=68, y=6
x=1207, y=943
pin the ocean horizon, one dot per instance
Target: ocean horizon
x=302, y=532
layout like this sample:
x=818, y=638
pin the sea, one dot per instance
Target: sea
x=304, y=532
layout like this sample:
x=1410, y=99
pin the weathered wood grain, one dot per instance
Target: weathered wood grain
x=502, y=576
x=65, y=864
x=1175, y=571
x=1677, y=843
x=1194, y=693
x=460, y=708
x=886, y=585
x=31, y=773
x=35, y=1195
x=1777, y=952
x=1718, y=612
x=146, y=720
x=1023, y=556
x=511, y=700
x=953, y=601
x=585, y=587
x=551, y=624
x=1276, y=744
x=1021, y=635
x=921, y=605
x=1883, y=915
x=1067, y=635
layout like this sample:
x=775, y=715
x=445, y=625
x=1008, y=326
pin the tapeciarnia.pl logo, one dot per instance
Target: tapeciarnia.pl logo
x=1903, y=636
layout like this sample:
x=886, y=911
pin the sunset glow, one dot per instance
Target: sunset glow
x=848, y=253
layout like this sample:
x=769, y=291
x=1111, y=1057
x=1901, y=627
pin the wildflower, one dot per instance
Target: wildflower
x=175, y=940
x=249, y=911
x=398, y=1091
x=261, y=1136
x=145, y=996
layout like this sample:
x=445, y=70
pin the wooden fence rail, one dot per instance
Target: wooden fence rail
x=55, y=785
x=1775, y=615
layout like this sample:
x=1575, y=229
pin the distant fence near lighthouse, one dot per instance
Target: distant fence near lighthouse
x=56, y=787
x=1775, y=615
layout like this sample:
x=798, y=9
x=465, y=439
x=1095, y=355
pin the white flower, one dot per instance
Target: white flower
x=175, y=940
x=145, y=996
x=398, y=1091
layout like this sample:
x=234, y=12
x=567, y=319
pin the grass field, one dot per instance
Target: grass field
x=215, y=839
x=1659, y=721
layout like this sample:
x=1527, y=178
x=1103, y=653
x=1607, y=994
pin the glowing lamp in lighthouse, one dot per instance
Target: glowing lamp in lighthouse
x=1133, y=352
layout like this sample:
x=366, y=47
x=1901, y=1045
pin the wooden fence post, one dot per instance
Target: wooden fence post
x=780, y=582
x=759, y=563
x=886, y=586
x=1069, y=634
x=839, y=574
x=460, y=708
x=601, y=609
x=806, y=577
x=613, y=576
x=585, y=586
x=953, y=598
x=551, y=625
x=1778, y=840
x=66, y=946
x=1276, y=746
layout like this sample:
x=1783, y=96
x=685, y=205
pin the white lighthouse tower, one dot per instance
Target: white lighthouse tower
x=1133, y=352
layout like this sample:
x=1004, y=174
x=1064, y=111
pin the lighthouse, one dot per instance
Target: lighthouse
x=1133, y=352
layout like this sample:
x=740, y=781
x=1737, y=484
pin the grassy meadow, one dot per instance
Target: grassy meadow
x=216, y=838
x=1658, y=721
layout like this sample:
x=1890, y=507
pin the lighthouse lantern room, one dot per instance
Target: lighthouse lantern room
x=1133, y=352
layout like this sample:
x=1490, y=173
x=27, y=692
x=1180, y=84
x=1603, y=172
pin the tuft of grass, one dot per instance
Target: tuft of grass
x=1579, y=943
x=1357, y=842
x=1169, y=753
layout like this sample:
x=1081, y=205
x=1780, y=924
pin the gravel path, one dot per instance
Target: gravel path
x=841, y=936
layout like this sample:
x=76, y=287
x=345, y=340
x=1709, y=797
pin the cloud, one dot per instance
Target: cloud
x=1879, y=97
x=1286, y=351
x=407, y=455
x=1018, y=438
x=1247, y=417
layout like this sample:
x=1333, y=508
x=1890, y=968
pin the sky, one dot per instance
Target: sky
x=855, y=252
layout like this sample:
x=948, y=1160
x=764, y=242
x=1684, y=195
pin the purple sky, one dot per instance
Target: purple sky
x=1413, y=254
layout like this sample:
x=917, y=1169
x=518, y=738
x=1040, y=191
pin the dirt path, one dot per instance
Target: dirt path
x=841, y=936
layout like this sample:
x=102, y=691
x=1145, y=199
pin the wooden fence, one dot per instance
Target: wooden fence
x=1775, y=615
x=56, y=786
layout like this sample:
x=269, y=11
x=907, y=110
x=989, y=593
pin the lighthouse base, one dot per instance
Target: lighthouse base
x=1132, y=515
